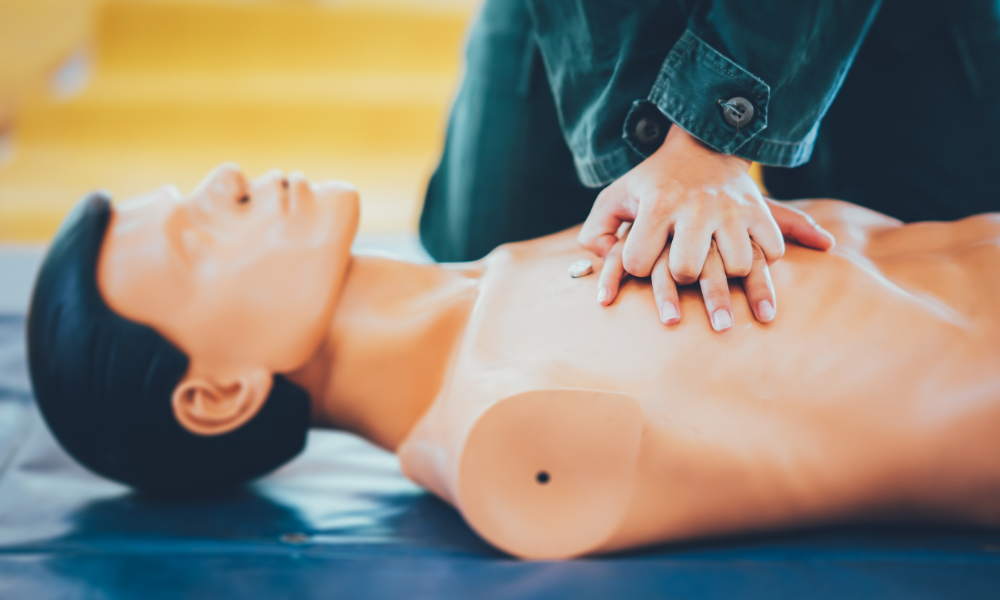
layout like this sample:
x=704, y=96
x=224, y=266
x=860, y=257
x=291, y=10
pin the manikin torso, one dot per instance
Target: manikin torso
x=560, y=428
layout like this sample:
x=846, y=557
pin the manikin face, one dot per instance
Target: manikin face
x=241, y=275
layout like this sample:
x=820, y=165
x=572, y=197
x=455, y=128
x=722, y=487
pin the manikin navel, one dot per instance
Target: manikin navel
x=560, y=428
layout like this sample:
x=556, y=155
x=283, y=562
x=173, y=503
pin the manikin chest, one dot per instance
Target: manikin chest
x=565, y=428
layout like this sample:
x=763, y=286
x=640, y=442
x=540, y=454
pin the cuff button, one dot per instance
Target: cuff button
x=737, y=111
x=648, y=131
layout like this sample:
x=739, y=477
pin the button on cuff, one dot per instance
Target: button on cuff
x=647, y=131
x=737, y=111
x=704, y=92
x=645, y=127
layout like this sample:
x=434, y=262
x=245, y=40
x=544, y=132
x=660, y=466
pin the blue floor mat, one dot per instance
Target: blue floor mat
x=342, y=522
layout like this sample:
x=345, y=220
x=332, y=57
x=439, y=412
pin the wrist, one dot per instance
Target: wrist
x=679, y=140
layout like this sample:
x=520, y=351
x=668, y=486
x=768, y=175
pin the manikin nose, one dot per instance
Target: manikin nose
x=225, y=183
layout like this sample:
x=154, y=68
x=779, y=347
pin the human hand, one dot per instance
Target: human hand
x=713, y=280
x=720, y=224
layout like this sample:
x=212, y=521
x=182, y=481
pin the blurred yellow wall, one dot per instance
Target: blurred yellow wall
x=36, y=36
x=349, y=89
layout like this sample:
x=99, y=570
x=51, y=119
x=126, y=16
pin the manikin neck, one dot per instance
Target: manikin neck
x=394, y=333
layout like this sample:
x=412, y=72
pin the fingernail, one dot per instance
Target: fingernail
x=668, y=313
x=765, y=311
x=825, y=233
x=602, y=294
x=722, y=320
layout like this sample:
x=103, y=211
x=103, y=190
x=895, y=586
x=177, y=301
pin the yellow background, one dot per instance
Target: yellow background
x=127, y=95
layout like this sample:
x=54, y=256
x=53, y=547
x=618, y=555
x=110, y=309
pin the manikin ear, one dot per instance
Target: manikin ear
x=205, y=406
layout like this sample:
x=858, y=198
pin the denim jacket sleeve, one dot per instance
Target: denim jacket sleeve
x=620, y=70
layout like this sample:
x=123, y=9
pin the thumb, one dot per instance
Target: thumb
x=799, y=227
x=599, y=231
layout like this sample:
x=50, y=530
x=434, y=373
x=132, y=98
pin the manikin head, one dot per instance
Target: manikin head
x=159, y=330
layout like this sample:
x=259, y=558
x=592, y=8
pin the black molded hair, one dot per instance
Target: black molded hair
x=104, y=383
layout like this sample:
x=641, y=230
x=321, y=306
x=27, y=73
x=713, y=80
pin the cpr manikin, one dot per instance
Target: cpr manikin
x=559, y=427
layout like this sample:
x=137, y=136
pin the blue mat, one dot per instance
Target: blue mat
x=342, y=522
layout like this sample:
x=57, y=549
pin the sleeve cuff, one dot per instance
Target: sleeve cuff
x=694, y=84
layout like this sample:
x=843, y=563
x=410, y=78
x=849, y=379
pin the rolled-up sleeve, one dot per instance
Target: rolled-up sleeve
x=623, y=72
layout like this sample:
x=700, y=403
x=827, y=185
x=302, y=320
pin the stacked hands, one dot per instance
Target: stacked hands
x=688, y=213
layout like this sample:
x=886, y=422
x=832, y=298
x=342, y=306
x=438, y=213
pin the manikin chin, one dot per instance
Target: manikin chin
x=556, y=426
